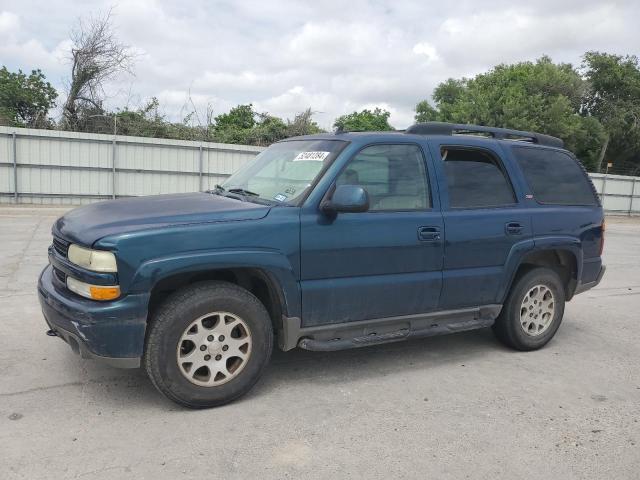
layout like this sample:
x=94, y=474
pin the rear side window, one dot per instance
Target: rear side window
x=554, y=177
x=475, y=179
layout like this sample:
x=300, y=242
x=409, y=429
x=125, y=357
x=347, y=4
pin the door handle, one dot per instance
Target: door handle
x=513, y=228
x=429, y=234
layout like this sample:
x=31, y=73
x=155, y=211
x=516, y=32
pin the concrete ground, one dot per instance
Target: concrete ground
x=459, y=406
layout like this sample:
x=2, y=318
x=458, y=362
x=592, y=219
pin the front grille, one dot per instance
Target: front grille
x=60, y=275
x=61, y=246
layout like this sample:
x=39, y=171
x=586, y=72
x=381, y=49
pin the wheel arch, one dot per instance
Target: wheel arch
x=266, y=274
x=566, y=260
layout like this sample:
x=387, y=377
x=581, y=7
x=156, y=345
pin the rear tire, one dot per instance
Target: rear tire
x=533, y=311
x=208, y=344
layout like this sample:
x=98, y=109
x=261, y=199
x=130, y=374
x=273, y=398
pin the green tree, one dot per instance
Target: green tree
x=376, y=120
x=25, y=100
x=535, y=96
x=426, y=113
x=242, y=124
x=236, y=125
x=266, y=130
x=614, y=99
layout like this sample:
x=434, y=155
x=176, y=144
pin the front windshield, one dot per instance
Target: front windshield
x=285, y=171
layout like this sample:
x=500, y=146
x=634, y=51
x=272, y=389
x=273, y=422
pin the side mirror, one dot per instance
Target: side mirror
x=347, y=198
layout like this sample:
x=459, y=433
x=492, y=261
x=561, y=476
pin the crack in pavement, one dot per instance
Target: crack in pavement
x=15, y=268
x=61, y=385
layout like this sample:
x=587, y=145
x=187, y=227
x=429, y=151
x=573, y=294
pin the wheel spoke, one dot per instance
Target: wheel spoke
x=226, y=325
x=238, y=347
x=196, y=365
x=196, y=336
x=191, y=356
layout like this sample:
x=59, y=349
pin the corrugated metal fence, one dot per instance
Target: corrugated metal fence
x=620, y=194
x=53, y=167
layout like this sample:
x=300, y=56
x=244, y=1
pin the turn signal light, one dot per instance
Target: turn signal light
x=104, y=293
x=93, y=292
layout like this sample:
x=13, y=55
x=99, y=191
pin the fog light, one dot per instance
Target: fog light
x=94, y=292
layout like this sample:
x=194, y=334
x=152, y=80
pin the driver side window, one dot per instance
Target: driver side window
x=394, y=176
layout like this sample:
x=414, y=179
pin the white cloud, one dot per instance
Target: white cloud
x=285, y=56
x=9, y=24
x=427, y=50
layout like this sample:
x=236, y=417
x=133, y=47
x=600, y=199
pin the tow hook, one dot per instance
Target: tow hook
x=52, y=333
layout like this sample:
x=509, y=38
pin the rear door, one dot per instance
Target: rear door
x=485, y=220
x=381, y=263
x=565, y=207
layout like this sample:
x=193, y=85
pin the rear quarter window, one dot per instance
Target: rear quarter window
x=555, y=177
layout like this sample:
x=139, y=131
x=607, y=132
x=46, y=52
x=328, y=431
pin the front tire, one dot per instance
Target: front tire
x=208, y=344
x=533, y=311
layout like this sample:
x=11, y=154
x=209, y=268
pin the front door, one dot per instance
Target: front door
x=381, y=263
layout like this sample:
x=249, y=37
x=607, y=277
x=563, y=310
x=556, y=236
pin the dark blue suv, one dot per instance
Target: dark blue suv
x=328, y=242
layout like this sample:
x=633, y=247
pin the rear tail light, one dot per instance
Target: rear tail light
x=602, y=230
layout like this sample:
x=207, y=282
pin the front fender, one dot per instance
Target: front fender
x=273, y=262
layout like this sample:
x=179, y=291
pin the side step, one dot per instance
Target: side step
x=327, y=345
x=356, y=342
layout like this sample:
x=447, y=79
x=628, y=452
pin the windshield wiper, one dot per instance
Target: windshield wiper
x=242, y=191
x=242, y=194
x=217, y=189
x=239, y=194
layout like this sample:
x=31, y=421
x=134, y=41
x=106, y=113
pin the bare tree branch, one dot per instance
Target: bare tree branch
x=96, y=56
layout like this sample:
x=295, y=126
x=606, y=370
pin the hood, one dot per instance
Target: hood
x=87, y=224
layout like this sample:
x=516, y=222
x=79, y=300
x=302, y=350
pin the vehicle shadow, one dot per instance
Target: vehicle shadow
x=298, y=367
x=340, y=367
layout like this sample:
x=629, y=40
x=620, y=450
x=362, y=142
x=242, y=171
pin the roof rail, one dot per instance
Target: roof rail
x=442, y=128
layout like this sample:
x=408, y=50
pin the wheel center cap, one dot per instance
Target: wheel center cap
x=214, y=347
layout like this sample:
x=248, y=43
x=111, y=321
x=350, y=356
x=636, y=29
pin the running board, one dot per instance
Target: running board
x=384, y=330
x=344, y=343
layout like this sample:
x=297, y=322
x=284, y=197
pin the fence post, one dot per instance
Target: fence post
x=15, y=166
x=604, y=184
x=200, y=161
x=633, y=191
x=113, y=168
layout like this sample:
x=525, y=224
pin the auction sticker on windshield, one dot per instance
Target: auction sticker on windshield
x=314, y=156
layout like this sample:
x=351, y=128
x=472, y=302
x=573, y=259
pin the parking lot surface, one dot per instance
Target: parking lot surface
x=458, y=406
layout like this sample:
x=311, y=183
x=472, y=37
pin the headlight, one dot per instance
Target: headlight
x=94, y=292
x=96, y=260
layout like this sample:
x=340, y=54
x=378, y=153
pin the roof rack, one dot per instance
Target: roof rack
x=442, y=128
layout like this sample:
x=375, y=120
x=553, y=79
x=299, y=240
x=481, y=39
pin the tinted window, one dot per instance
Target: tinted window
x=475, y=178
x=393, y=175
x=554, y=177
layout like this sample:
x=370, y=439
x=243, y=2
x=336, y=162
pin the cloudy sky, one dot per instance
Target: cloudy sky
x=335, y=56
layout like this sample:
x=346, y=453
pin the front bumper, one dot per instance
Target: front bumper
x=109, y=331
